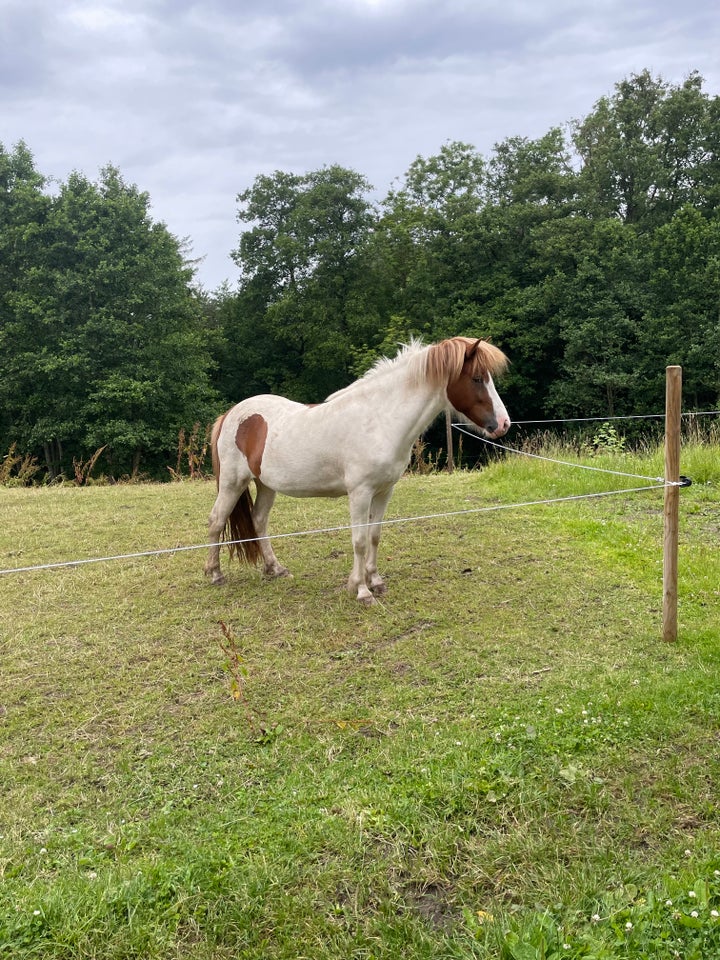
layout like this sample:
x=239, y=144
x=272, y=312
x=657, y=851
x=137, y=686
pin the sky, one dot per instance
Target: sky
x=192, y=101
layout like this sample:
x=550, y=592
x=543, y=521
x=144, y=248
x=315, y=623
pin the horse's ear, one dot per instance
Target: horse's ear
x=472, y=349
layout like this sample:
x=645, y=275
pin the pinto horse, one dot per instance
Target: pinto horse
x=357, y=443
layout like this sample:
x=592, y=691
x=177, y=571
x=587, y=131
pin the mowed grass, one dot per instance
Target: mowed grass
x=500, y=760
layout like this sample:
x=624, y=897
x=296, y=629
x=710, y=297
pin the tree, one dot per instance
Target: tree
x=428, y=236
x=683, y=326
x=648, y=150
x=601, y=308
x=304, y=289
x=106, y=336
x=23, y=212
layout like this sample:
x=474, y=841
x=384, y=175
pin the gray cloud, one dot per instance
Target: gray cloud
x=192, y=100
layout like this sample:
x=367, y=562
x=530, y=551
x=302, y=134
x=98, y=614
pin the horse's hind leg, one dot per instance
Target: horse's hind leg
x=227, y=497
x=264, y=501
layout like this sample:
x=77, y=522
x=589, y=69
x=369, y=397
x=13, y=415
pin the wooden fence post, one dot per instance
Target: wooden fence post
x=673, y=404
x=449, y=439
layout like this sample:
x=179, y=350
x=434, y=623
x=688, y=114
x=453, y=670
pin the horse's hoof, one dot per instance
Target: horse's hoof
x=365, y=597
x=276, y=572
x=379, y=589
x=219, y=580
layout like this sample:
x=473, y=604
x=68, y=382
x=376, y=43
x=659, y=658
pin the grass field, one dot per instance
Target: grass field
x=500, y=760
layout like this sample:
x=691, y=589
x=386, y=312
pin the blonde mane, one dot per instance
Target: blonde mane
x=409, y=353
x=439, y=364
x=445, y=360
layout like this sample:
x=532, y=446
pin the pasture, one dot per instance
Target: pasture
x=500, y=759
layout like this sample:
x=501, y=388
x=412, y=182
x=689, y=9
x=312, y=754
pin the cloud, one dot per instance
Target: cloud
x=192, y=100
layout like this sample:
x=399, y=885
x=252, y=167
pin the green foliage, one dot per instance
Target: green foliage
x=646, y=149
x=304, y=298
x=591, y=255
x=606, y=439
x=101, y=343
x=592, y=260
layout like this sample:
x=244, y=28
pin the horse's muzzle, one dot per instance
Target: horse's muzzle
x=498, y=429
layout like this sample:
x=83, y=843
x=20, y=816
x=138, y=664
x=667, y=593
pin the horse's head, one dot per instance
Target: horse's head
x=472, y=390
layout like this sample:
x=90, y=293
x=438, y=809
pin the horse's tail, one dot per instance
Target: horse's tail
x=240, y=529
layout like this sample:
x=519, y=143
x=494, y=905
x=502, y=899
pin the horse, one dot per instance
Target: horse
x=357, y=443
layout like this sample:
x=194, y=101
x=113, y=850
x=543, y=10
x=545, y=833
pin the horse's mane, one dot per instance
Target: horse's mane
x=445, y=360
x=440, y=363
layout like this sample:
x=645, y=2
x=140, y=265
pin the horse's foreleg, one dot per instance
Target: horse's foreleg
x=264, y=501
x=223, y=507
x=377, y=511
x=360, y=501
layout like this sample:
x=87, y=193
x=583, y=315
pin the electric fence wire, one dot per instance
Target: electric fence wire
x=632, y=416
x=323, y=530
x=461, y=428
x=652, y=483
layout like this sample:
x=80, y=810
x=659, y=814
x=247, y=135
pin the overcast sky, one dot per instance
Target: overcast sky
x=191, y=101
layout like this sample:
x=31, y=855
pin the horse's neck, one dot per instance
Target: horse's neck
x=397, y=399
x=408, y=407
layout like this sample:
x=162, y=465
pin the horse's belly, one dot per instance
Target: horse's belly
x=300, y=475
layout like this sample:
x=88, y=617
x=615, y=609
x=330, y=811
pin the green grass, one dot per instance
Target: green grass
x=501, y=760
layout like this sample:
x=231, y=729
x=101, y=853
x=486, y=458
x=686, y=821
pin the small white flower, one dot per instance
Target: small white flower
x=558, y=710
x=691, y=893
x=595, y=918
x=693, y=913
x=36, y=913
x=628, y=925
x=43, y=850
x=714, y=913
x=668, y=903
x=688, y=853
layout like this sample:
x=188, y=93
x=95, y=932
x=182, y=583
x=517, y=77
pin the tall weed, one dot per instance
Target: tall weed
x=16, y=469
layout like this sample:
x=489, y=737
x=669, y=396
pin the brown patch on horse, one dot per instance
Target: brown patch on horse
x=250, y=440
x=469, y=397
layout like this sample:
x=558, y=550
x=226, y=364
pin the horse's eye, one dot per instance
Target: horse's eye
x=478, y=380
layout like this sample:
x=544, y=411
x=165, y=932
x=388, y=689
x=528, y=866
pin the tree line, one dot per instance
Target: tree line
x=591, y=255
